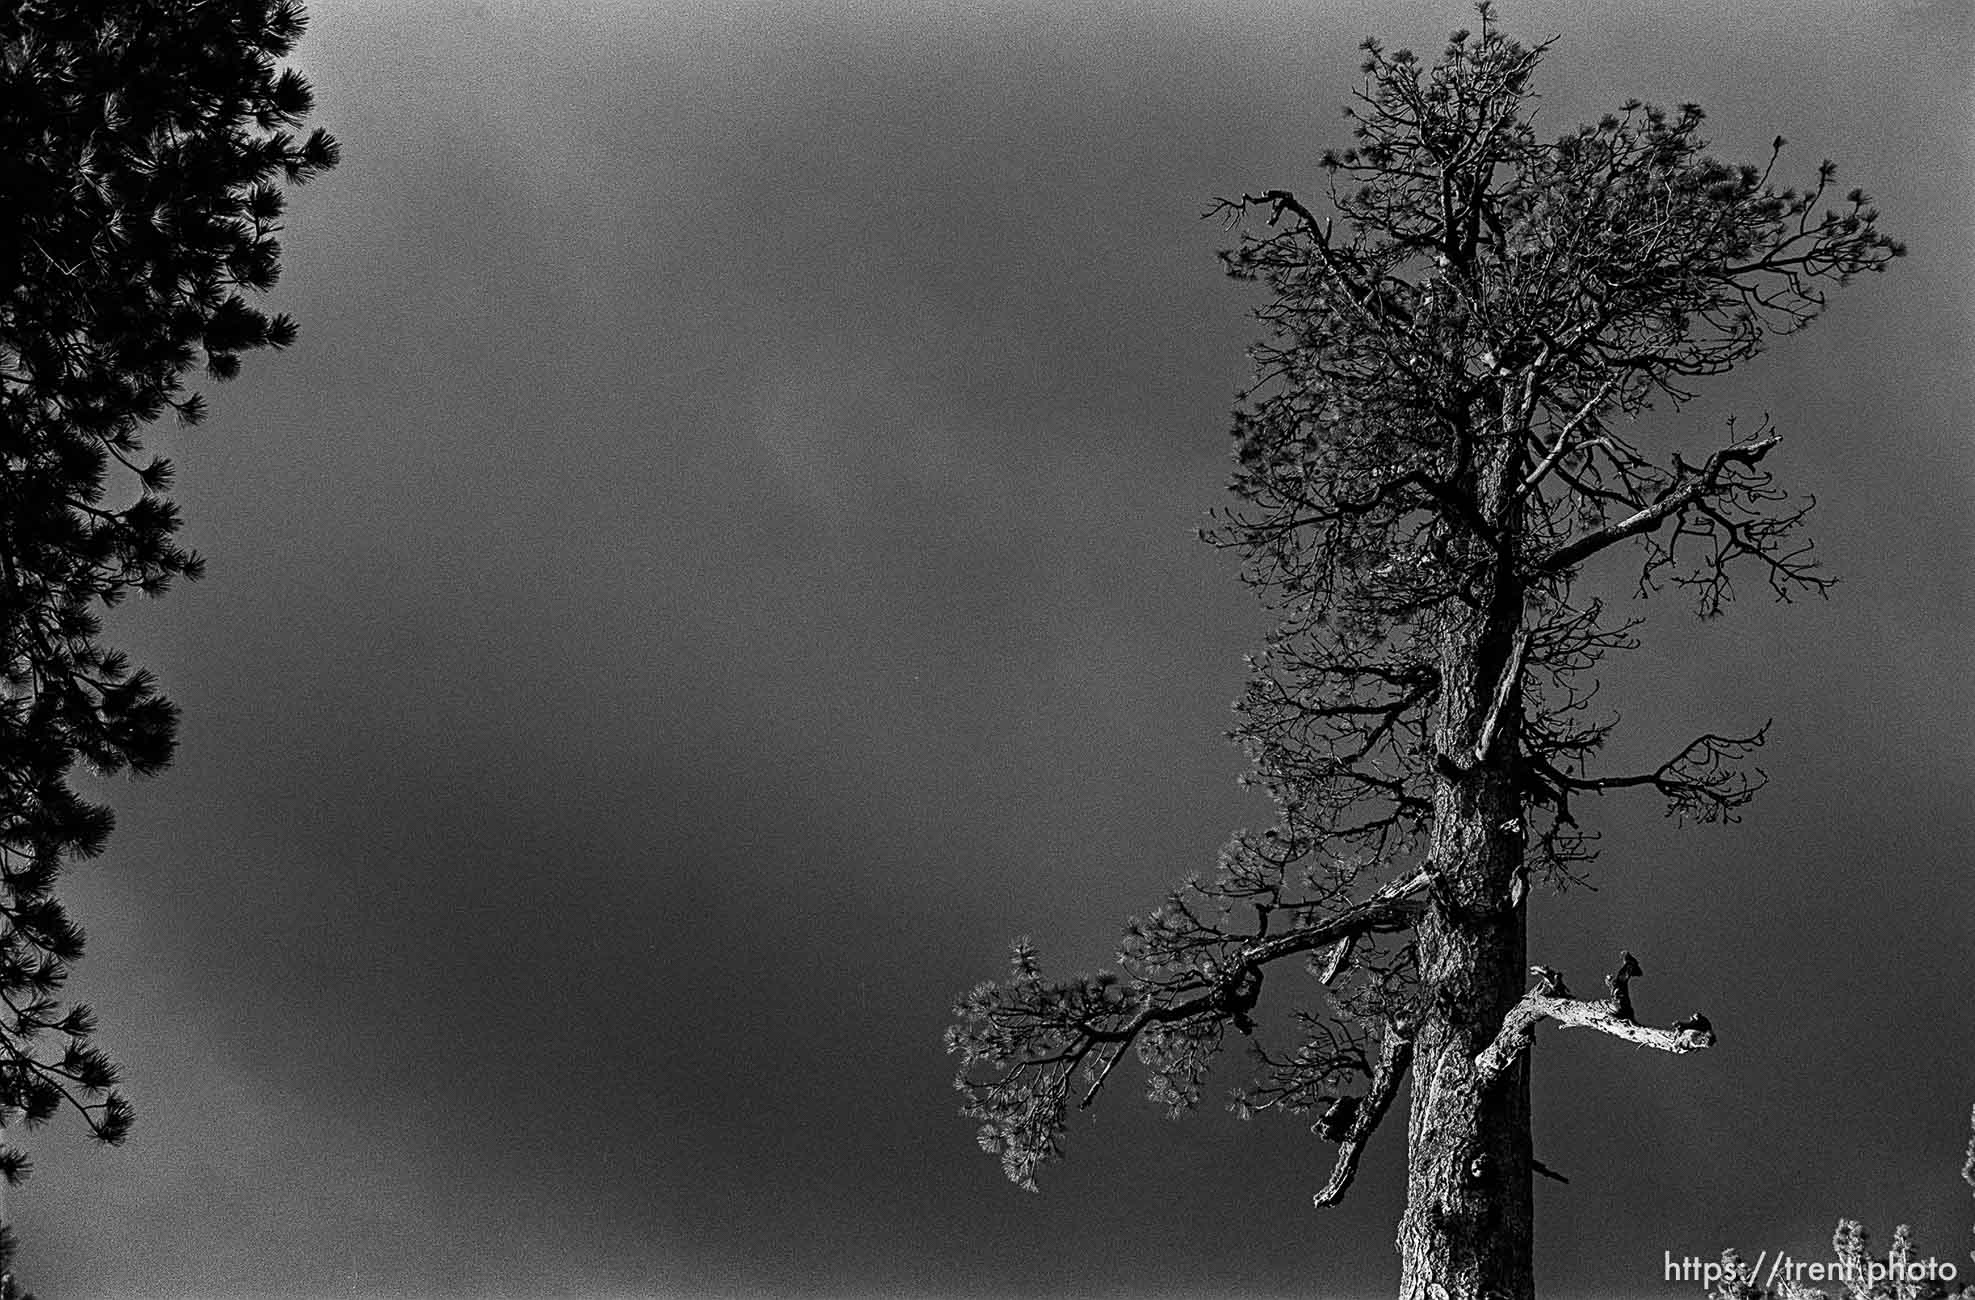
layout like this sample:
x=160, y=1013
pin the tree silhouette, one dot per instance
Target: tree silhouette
x=142, y=150
x=1440, y=439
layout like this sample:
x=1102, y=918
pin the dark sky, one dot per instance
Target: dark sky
x=719, y=563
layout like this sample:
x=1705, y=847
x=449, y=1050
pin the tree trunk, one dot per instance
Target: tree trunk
x=1466, y=1233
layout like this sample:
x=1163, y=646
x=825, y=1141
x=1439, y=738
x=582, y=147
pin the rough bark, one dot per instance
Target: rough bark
x=1467, y=1225
x=1467, y=1230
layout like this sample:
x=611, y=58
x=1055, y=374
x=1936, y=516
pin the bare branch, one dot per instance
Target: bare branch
x=1506, y=684
x=1563, y=445
x=1538, y=1167
x=1692, y=487
x=1394, y=1056
x=1703, y=782
x=1334, y=963
x=1611, y=1015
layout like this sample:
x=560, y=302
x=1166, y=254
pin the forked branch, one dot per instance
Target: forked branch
x=1611, y=1015
x=1690, y=488
x=1705, y=782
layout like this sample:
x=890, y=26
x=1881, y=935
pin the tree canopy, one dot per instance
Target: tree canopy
x=143, y=149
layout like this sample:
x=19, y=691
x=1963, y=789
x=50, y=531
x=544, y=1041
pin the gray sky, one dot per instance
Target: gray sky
x=719, y=564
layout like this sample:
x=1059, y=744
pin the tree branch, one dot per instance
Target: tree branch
x=1702, y=781
x=1677, y=497
x=1538, y=1167
x=1505, y=690
x=1563, y=445
x=1395, y=1054
x=1611, y=1015
x=1403, y=888
x=1461, y=506
x=1030, y=1038
x=1362, y=295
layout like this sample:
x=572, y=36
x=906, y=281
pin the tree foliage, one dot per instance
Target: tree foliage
x=143, y=149
x=1444, y=430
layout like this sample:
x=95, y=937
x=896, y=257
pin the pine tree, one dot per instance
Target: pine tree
x=1441, y=446
x=143, y=144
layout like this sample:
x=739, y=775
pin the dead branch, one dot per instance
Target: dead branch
x=1506, y=685
x=1333, y=964
x=1394, y=1056
x=1611, y=1015
x=1563, y=445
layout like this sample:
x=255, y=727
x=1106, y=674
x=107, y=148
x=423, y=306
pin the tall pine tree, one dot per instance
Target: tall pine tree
x=143, y=149
x=1441, y=444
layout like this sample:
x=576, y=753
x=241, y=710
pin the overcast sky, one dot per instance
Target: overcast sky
x=718, y=564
